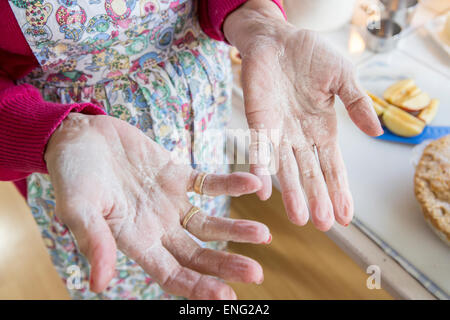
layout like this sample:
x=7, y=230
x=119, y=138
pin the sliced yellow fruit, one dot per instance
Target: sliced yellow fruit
x=378, y=100
x=407, y=94
x=401, y=122
x=417, y=102
x=397, y=90
x=378, y=108
x=427, y=114
x=378, y=104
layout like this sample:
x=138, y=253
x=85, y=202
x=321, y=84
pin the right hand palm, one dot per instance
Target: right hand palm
x=116, y=188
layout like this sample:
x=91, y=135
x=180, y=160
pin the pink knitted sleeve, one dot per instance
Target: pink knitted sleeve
x=213, y=13
x=26, y=124
x=26, y=120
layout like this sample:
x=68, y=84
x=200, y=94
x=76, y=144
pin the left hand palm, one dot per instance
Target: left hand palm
x=289, y=84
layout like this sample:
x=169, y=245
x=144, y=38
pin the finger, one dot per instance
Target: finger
x=260, y=97
x=208, y=228
x=293, y=199
x=335, y=175
x=178, y=280
x=95, y=241
x=263, y=174
x=359, y=105
x=234, y=184
x=315, y=188
x=230, y=267
x=259, y=155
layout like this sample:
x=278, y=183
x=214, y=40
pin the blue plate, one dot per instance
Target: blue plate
x=430, y=132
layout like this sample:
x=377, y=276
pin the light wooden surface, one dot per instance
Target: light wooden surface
x=300, y=263
x=26, y=271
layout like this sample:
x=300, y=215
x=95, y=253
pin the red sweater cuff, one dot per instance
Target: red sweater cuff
x=26, y=124
x=214, y=12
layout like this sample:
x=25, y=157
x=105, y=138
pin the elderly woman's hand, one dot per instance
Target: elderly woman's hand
x=290, y=78
x=116, y=188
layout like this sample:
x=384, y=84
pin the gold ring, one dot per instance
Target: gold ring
x=189, y=215
x=199, y=181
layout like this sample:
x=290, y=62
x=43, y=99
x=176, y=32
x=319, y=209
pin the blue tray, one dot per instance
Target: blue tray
x=430, y=132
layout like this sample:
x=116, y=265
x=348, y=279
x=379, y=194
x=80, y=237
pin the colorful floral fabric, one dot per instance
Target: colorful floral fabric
x=146, y=62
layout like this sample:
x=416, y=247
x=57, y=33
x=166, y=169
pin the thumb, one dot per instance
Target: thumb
x=358, y=104
x=95, y=241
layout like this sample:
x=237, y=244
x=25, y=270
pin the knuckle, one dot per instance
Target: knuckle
x=303, y=149
x=310, y=174
x=195, y=257
x=205, y=227
x=256, y=116
x=223, y=264
x=359, y=103
x=244, y=228
x=168, y=279
x=223, y=292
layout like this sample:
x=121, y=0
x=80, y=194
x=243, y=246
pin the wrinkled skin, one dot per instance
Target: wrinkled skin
x=290, y=78
x=116, y=188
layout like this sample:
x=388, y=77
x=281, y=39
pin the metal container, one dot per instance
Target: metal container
x=382, y=35
x=401, y=11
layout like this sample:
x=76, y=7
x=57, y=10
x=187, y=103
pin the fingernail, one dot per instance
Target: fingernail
x=261, y=280
x=269, y=240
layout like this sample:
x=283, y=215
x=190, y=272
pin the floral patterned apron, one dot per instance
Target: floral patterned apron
x=146, y=62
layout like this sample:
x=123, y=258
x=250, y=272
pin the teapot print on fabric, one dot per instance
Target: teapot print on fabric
x=119, y=11
x=71, y=18
x=36, y=13
x=148, y=7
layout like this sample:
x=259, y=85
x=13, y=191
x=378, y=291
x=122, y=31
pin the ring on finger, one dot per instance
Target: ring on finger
x=199, y=182
x=189, y=215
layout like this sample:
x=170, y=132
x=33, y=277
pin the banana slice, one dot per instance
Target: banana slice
x=427, y=114
x=401, y=122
